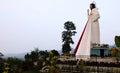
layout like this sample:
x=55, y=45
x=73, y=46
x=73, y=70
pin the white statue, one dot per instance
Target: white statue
x=90, y=34
x=93, y=17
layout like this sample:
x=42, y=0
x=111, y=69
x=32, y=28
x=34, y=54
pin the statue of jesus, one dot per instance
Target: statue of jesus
x=93, y=17
x=90, y=35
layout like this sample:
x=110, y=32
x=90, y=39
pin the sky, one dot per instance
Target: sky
x=29, y=24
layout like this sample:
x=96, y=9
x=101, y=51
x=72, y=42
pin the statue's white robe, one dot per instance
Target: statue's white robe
x=90, y=35
x=95, y=31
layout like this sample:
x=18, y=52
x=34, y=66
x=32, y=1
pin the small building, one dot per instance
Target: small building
x=100, y=51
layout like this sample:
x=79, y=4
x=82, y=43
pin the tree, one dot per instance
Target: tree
x=1, y=63
x=33, y=56
x=14, y=64
x=67, y=36
x=34, y=60
x=28, y=57
x=55, y=52
x=1, y=55
x=43, y=54
x=117, y=41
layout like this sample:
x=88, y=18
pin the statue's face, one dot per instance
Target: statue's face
x=91, y=7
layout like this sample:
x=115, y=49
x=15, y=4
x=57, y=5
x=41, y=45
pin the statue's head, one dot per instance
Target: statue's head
x=92, y=6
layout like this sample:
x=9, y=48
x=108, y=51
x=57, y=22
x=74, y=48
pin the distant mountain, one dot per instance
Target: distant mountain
x=20, y=55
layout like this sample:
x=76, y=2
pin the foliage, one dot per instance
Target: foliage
x=67, y=36
x=104, y=45
x=53, y=69
x=82, y=65
x=55, y=52
x=117, y=41
x=44, y=54
x=1, y=55
x=51, y=61
x=35, y=55
x=28, y=57
x=37, y=59
x=1, y=62
x=34, y=61
x=6, y=68
x=113, y=51
x=1, y=66
x=15, y=64
x=28, y=65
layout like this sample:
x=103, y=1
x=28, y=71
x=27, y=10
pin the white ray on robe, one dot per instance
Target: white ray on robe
x=83, y=47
